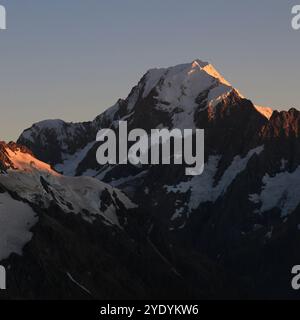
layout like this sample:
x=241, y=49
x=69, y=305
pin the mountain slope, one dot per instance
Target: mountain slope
x=242, y=213
x=78, y=238
x=35, y=181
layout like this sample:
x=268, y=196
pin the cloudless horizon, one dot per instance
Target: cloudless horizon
x=72, y=59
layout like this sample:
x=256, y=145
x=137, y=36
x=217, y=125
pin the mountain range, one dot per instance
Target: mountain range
x=75, y=229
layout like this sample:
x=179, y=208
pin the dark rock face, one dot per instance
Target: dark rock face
x=49, y=139
x=239, y=219
x=68, y=258
x=283, y=124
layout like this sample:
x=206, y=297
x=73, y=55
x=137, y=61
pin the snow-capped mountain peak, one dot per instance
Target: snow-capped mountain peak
x=198, y=73
x=199, y=63
x=185, y=96
x=209, y=69
x=183, y=89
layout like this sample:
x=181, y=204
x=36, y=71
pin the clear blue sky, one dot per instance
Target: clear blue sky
x=72, y=59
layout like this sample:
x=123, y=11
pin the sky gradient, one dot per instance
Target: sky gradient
x=72, y=59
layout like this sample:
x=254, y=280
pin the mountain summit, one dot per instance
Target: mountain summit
x=184, y=96
x=179, y=90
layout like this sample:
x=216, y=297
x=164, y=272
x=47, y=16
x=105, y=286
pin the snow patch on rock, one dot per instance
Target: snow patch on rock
x=79, y=195
x=71, y=162
x=281, y=191
x=203, y=189
x=16, y=220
